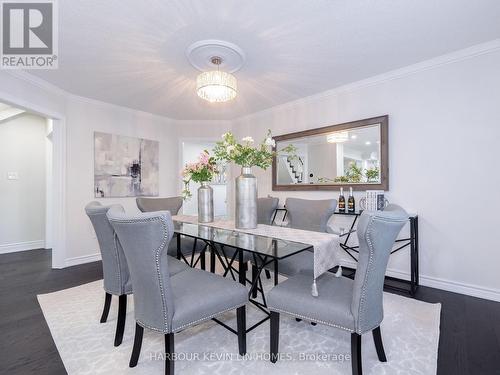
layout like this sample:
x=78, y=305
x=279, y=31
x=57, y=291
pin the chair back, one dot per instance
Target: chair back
x=266, y=207
x=145, y=239
x=310, y=214
x=114, y=264
x=173, y=204
x=377, y=232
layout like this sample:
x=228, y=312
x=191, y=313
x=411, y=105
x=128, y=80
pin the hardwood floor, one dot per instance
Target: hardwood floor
x=26, y=346
x=469, y=341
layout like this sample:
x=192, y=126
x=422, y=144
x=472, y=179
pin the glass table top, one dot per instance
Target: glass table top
x=274, y=247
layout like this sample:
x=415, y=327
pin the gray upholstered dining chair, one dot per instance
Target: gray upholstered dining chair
x=114, y=266
x=311, y=215
x=116, y=275
x=167, y=303
x=266, y=208
x=355, y=306
x=303, y=214
x=171, y=204
x=188, y=246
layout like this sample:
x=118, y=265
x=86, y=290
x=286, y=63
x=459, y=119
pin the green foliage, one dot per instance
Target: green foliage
x=342, y=179
x=246, y=154
x=354, y=174
x=372, y=174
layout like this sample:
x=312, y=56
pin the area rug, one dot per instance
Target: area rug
x=410, y=332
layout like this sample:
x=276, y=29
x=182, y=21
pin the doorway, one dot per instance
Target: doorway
x=26, y=173
x=51, y=192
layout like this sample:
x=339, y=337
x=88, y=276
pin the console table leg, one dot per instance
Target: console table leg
x=413, y=256
x=417, y=272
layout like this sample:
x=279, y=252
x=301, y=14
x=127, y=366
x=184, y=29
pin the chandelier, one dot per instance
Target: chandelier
x=216, y=86
x=337, y=137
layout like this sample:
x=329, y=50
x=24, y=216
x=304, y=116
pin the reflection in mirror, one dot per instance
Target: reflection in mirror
x=346, y=156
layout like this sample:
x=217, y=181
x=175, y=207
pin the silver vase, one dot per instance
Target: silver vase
x=205, y=203
x=246, y=200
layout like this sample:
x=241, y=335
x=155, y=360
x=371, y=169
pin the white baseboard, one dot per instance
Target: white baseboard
x=82, y=259
x=21, y=246
x=462, y=288
x=443, y=284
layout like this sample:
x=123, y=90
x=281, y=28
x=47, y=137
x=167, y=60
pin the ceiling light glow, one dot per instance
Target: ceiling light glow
x=216, y=86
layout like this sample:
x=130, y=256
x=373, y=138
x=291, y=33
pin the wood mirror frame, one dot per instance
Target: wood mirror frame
x=384, y=156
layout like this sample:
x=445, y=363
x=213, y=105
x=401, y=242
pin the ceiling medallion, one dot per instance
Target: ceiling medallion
x=217, y=59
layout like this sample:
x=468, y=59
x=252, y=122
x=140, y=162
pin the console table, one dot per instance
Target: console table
x=411, y=242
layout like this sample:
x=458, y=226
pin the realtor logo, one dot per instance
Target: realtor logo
x=29, y=35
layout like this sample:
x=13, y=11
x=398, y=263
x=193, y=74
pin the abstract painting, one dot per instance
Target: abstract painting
x=125, y=166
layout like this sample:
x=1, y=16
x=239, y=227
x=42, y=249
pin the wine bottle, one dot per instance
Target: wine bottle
x=341, y=200
x=351, y=204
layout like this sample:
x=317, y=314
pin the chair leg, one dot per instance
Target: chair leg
x=268, y=274
x=254, y=276
x=242, y=329
x=356, y=354
x=107, y=305
x=169, y=354
x=377, y=338
x=122, y=314
x=136, y=351
x=212, y=260
x=275, y=335
x=203, y=260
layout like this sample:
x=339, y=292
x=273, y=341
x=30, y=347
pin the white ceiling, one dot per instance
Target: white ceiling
x=132, y=53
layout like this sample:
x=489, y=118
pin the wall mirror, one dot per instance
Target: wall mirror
x=351, y=154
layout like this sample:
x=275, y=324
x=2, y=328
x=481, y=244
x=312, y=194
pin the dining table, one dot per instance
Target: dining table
x=265, y=246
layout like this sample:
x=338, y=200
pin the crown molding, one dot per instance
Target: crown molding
x=135, y=112
x=36, y=81
x=450, y=58
x=49, y=87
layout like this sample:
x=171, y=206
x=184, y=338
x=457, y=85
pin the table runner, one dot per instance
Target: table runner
x=326, y=245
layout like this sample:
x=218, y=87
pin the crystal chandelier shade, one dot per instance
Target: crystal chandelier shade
x=216, y=86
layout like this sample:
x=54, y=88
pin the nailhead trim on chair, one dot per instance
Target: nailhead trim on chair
x=158, y=270
x=188, y=324
x=370, y=262
x=118, y=275
x=369, y=268
x=311, y=319
x=138, y=219
x=151, y=327
x=122, y=289
x=207, y=317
